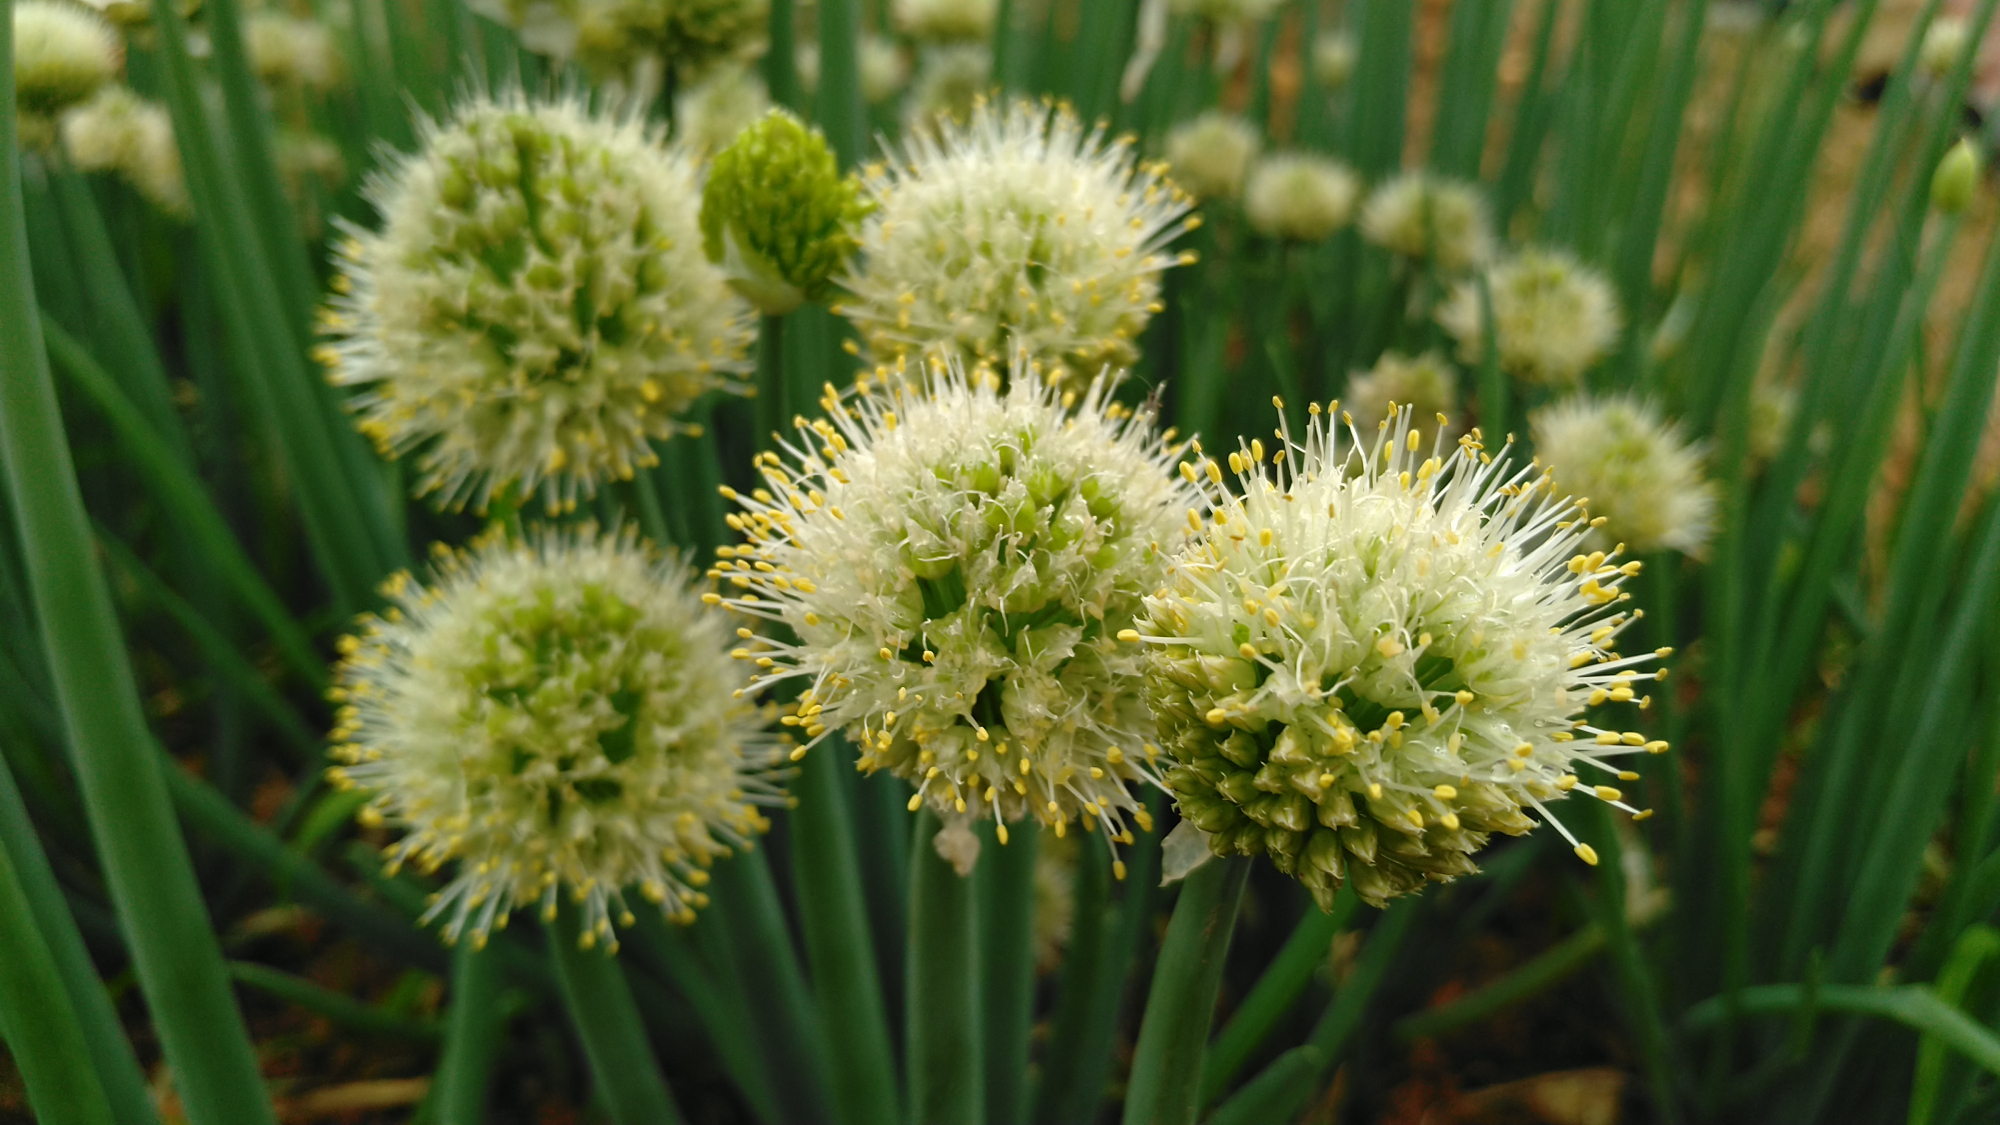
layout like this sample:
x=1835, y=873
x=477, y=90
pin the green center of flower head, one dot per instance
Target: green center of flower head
x=1368, y=664
x=551, y=715
x=536, y=307
x=956, y=567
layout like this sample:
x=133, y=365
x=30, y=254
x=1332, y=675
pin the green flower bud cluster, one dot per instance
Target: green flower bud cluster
x=777, y=215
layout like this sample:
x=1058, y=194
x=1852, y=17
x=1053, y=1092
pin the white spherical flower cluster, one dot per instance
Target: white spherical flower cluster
x=293, y=53
x=1210, y=155
x=557, y=715
x=950, y=81
x=1225, y=11
x=1427, y=384
x=1300, y=197
x=1430, y=218
x=536, y=306
x=1333, y=60
x=118, y=131
x=709, y=114
x=1554, y=317
x=1378, y=654
x=1633, y=468
x=63, y=52
x=1019, y=228
x=945, y=21
x=957, y=565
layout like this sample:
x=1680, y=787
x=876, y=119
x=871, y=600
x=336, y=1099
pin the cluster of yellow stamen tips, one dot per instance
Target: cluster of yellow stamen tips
x=1374, y=656
x=955, y=566
x=553, y=713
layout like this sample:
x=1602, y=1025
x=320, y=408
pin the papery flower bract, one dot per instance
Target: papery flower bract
x=559, y=716
x=945, y=21
x=1019, y=228
x=709, y=114
x=536, y=306
x=1429, y=218
x=1426, y=384
x=1333, y=60
x=118, y=131
x=1375, y=657
x=62, y=53
x=1210, y=155
x=950, y=81
x=956, y=565
x=1637, y=471
x=1554, y=317
x=1944, y=42
x=777, y=215
x=1299, y=196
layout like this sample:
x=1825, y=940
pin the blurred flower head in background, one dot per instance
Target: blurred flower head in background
x=1210, y=155
x=1430, y=218
x=1634, y=469
x=1300, y=197
x=1554, y=317
x=1427, y=384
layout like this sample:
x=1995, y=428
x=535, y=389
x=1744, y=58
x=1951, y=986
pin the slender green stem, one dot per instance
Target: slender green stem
x=1533, y=976
x=145, y=862
x=840, y=110
x=943, y=1062
x=1066, y=1092
x=37, y=1020
x=472, y=1033
x=343, y=1010
x=833, y=913
x=111, y=1053
x=1274, y=993
x=745, y=898
x=1165, y=1087
x=1275, y=1094
x=607, y=1021
x=1007, y=946
x=770, y=401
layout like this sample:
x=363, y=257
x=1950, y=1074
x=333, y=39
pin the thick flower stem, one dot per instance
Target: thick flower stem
x=827, y=876
x=607, y=1021
x=473, y=1030
x=38, y=1021
x=943, y=1060
x=1007, y=886
x=1166, y=1066
x=781, y=1008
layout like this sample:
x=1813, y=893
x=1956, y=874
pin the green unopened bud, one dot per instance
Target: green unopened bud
x=777, y=215
x=1957, y=174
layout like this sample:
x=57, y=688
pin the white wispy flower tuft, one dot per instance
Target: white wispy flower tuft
x=1018, y=228
x=62, y=53
x=945, y=21
x=1636, y=470
x=557, y=715
x=1426, y=384
x=1300, y=197
x=1553, y=316
x=709, y=114
x=950, y=81
x=1333, y=60
x=118, y=131
x=1210, y=155
x=1225, y=11
x=293, y=53
x=957, y=565
x=1430, y=218
x=1378, y=655
x=536, y=306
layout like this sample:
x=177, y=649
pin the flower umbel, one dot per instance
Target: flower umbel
x=777, y=215
x=1018, y=228
x=536, y=305
x=1636, y=469
x=554, y=714
x=1210, y=155
x=1367, y=662
x=62, y=53
x=1300, y=197
x=1426, y=384
x=1553, y=317
x=956, y=566
x=1429, y=218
